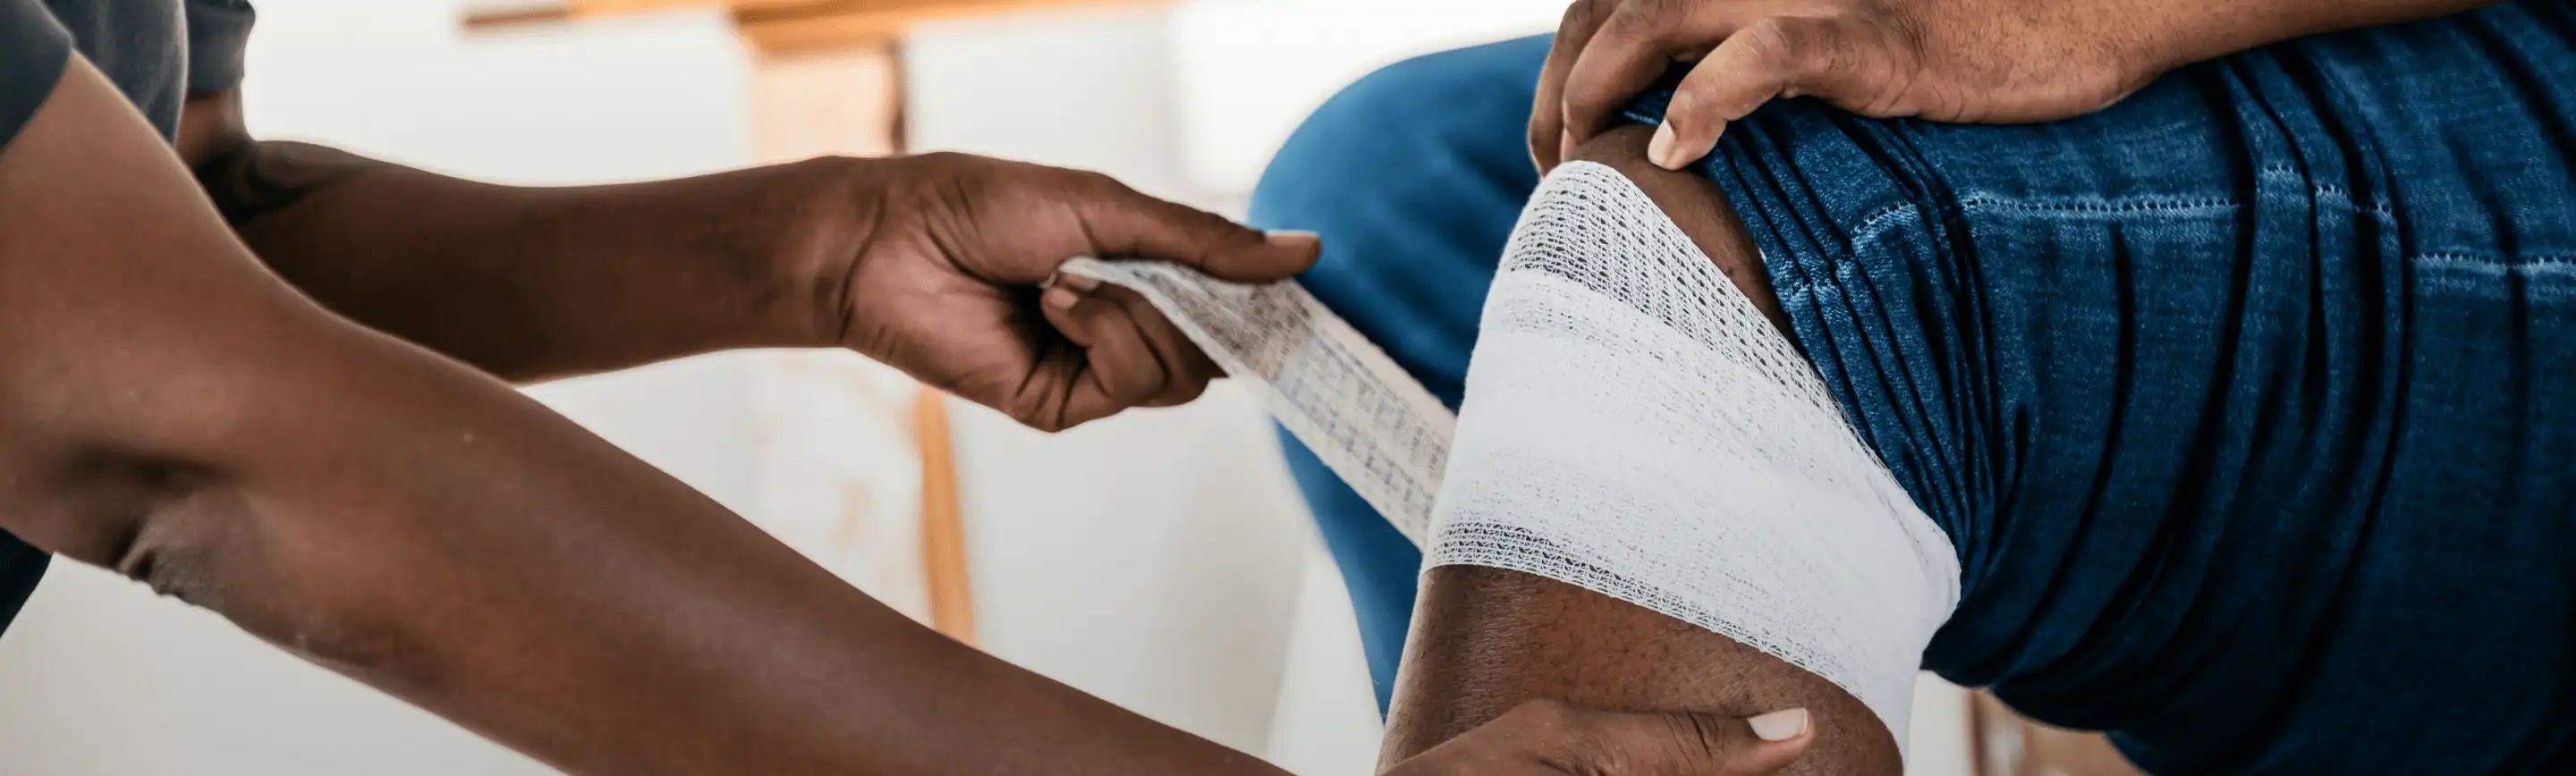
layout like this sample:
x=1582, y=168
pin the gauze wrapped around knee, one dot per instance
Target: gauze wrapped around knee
x=1636, y=427
x=1633, y=426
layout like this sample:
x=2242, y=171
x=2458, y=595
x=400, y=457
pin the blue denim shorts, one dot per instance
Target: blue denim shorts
x=2249, y=402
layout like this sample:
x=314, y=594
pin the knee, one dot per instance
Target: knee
x=1422, y=121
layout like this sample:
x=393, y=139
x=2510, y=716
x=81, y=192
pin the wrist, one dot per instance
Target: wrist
x=803, y=236
x=2208, y=29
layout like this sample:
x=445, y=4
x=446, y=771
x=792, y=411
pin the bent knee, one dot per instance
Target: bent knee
x=1694, y=204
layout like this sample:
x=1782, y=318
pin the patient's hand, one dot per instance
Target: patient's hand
x=1487, y=641
x=1996, y=61
x=1546, y=738
x=1984, y=61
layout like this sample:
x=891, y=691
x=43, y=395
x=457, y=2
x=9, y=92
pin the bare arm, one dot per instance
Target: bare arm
x=171, y=410
x=532, y=282
x=2191, y=32
x=1487, y=640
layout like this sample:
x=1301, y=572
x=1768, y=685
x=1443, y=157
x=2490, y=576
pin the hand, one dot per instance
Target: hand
x=948, y=279
x=1991, y=61
x=1545, y=738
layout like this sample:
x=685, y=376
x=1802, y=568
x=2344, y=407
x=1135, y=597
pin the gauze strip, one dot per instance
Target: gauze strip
x=1372, y=424
x=1633, y=426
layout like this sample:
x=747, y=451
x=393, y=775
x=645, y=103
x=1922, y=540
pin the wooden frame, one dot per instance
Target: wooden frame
x=776, y=26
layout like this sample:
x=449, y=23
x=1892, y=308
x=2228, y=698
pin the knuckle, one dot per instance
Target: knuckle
x=1650, y=22
x=1651, y=14
x=942, y=159
x=1099, y=184
x=1185, y=391
x=1543, y=714
x=1580, y=14
x=1698, y=742
x=1043, y=418
x=1770, y=39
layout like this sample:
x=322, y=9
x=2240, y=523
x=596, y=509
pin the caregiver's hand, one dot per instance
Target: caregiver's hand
x=1545, y=738
x=1988, y=61
x=944, y=257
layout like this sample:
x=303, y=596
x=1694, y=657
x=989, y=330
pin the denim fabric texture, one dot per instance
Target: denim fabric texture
x=2249, y=402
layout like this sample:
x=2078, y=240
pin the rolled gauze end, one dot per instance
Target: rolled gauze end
x=1371, y=423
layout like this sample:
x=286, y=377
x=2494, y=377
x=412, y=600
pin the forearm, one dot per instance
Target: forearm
x=2186, y=32
x=424, y=530
x=530, y=283
x=177, y=414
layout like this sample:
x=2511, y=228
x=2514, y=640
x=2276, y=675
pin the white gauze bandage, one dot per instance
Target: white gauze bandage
x=1633, y=426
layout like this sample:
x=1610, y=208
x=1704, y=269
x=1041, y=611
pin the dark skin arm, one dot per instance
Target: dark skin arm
x=1487, y=640
x=929, y=263
x=530, y=282
x=1987, y=61
x=175, y=412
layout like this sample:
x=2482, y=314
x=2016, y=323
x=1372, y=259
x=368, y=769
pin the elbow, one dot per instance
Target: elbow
x=203, y=540
x=196, y=533
x=173, y=527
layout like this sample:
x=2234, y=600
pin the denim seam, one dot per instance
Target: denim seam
x=1977, y=202
x=1877, y=222
x=2474, y=259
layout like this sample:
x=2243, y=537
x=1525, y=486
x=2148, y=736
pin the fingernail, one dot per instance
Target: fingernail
x=1293, y=238
x=1779, y=725
x=1660, y=149
x=1081, y=284
x=1059, y=297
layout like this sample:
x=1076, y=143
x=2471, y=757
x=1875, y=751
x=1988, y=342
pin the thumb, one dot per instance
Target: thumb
x=1684, y=742
x=1122, y=223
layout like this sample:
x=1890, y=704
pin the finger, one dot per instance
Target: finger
x=1123, y=223
x=1633, y=47
x=1186, y=369
x=1690, y=742
x=1110, y=369
x=1547, y=113
x=1770, y=58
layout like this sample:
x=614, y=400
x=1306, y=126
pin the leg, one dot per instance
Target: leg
x=1490, y=637
x=1414, y=176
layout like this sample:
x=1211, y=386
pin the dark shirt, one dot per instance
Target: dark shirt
x=157, y=52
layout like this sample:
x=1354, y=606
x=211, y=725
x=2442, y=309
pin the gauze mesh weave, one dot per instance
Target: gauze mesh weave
x=1633, y=426
x=1371, y=423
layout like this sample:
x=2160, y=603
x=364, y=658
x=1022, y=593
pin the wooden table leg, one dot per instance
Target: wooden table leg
x=847, y=99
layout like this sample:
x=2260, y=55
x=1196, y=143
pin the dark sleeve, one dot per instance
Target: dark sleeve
x=217, y=30
x=33, y=50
